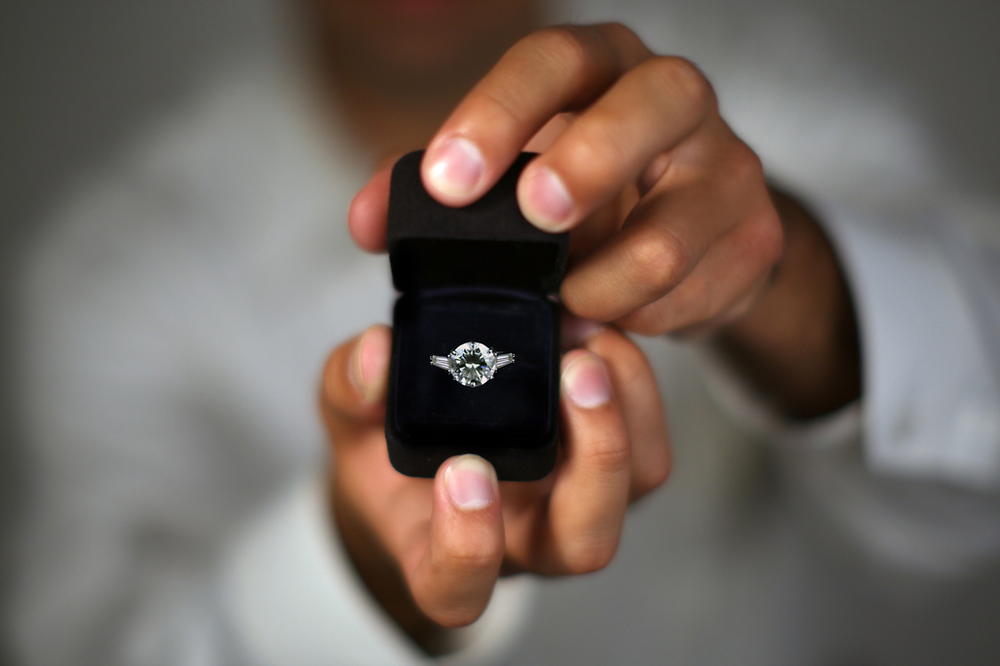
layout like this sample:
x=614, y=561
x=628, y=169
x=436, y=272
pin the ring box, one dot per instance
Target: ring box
x=480, y=273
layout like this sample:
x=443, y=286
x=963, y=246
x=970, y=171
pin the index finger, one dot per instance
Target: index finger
x=550, y=71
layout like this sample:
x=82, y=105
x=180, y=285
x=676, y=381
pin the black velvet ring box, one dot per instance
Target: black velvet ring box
x=483, y=274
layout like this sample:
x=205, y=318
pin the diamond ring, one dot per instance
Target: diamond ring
x=472, y=363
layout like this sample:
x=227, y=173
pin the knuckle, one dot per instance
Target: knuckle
x=628, y=43
x=743, y=166
x=682, y=77
x=453, y=618
x=508, y=111
x=619, y=32
x=609, y=453
x=767, y=236
x=585, y=558
x=596, y=150
x=468, y=556
x=657, y=260
x=653, y=473
x=632, y=367
x=566, y=46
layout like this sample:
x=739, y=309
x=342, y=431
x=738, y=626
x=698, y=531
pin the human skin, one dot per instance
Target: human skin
x=674, y=231
x=431, y=550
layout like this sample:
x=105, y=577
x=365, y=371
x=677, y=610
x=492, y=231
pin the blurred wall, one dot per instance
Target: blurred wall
x=77, y=76
x=75, y=79
x=947, y=56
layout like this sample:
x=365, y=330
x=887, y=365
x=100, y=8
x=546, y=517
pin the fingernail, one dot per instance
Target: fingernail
x=471, y=482
x=458, y=168
x=546, y=202
x=586, y=383
x=367, y=369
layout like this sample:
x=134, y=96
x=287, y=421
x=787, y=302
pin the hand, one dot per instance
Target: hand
x=674, y=228
x=431, y=550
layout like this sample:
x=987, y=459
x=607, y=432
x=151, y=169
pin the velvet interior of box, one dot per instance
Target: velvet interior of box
x=476, y=274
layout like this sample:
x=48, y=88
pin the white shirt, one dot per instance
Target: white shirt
x=177, y=311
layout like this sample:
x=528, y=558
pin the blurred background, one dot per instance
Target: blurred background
x=78, y=80
x=79, y=77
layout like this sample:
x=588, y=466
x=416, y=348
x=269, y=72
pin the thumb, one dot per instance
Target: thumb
x=453, y=579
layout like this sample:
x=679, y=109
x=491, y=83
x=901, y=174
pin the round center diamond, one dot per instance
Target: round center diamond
x=472, y=364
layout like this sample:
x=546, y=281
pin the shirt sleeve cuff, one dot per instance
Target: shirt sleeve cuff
x=931, y=404
x=930, y=407
x=292, y=596
x=835, y=430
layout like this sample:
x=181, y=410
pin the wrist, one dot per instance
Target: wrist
x=798, y=344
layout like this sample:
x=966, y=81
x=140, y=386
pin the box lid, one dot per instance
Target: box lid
x=487, y=243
